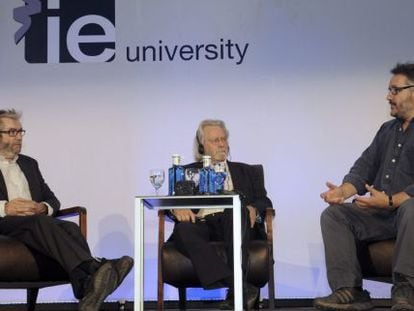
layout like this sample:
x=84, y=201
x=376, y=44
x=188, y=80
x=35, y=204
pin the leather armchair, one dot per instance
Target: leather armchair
x=21, y=268
x=177, y=270
x=375, y=259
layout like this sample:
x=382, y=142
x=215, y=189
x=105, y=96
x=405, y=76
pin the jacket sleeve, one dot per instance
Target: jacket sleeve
x=259, y=199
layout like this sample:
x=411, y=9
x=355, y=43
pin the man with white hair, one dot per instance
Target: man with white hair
x=194, y=229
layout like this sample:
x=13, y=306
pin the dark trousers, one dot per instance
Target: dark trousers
x=342, y=225
x=57, y=239
x=192, y=240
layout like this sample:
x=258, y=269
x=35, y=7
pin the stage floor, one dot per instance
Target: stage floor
x=281, y=305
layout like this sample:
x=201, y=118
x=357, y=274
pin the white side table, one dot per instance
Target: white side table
x=191, y=202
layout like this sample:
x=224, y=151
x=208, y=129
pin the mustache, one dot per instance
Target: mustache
x=221, y=151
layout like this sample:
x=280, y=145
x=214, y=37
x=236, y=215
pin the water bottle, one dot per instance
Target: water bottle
x=175, y=173
x=206, y=176
x=220, y=177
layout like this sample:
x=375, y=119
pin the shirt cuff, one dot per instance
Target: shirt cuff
x=356, y=182
x=49, y=209
x=2, y=208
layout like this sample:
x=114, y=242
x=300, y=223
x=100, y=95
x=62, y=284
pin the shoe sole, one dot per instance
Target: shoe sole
x=103, y=284
x=362, y=306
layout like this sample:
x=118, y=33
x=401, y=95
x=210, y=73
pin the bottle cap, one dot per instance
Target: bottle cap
x=206, y=160
x=176, y=159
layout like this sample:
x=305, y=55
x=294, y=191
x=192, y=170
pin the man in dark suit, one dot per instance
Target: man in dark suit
x=194, y=229
x=27, y=207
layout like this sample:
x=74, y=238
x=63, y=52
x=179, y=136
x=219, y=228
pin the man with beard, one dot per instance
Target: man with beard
x=194, y=229
x=385, y=171
x=27, y=207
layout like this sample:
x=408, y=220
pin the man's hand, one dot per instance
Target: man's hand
x=252, y=215
x=23, y=207
x=184, y=215
x=334, y=195
x=338, y=195
x=377, y=199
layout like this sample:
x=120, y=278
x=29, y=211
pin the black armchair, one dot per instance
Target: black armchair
x=177, y=270
x=21, y=268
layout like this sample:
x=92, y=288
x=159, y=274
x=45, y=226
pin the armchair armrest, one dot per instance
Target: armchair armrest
x=270, y=214
x=75, y=211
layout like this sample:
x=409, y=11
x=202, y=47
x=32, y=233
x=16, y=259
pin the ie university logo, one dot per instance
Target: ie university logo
x=67, y=31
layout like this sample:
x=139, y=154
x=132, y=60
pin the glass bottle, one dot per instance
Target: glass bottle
x=175, y=173
x=206, y=177
x=220, y=177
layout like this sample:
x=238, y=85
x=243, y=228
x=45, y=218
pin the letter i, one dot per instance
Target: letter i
x=221, y=48
x=53, y=33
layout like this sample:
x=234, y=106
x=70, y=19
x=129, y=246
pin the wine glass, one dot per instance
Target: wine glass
x=157, y=177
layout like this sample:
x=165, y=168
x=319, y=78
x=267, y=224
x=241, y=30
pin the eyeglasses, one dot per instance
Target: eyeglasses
x=394, y=90
x=14, y=132
x=218, y=140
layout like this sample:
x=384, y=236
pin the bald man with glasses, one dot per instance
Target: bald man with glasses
x=381, y=183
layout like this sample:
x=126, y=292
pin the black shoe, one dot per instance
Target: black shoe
x=346, y=298
x=103, y=282
x=80, y=277
x=228, y=303
x=402, y=296
x=251, y=296
x=122, y=267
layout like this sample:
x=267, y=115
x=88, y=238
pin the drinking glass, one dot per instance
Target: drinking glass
x=157, y=177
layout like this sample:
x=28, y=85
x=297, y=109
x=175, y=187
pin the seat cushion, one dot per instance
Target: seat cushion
x=376, y=259
x=178, y=271
x=20, y=264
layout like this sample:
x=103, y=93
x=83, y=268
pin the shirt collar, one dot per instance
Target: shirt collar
x=12, y=161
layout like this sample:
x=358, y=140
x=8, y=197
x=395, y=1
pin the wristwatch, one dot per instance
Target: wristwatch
x=390, y=203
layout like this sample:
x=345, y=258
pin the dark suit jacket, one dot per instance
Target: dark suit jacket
x=246, y=183
x=39, y=190
x=251, y=189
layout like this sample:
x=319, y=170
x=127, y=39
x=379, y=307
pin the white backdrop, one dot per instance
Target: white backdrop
x=306, y=100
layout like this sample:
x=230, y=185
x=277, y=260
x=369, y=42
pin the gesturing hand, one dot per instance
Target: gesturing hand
x=334, y=195
x=376, y=199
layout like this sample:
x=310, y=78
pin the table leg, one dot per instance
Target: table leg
x=139, y=255
x=237, y=253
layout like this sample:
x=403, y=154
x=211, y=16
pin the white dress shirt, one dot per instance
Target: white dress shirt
x=16, y=184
